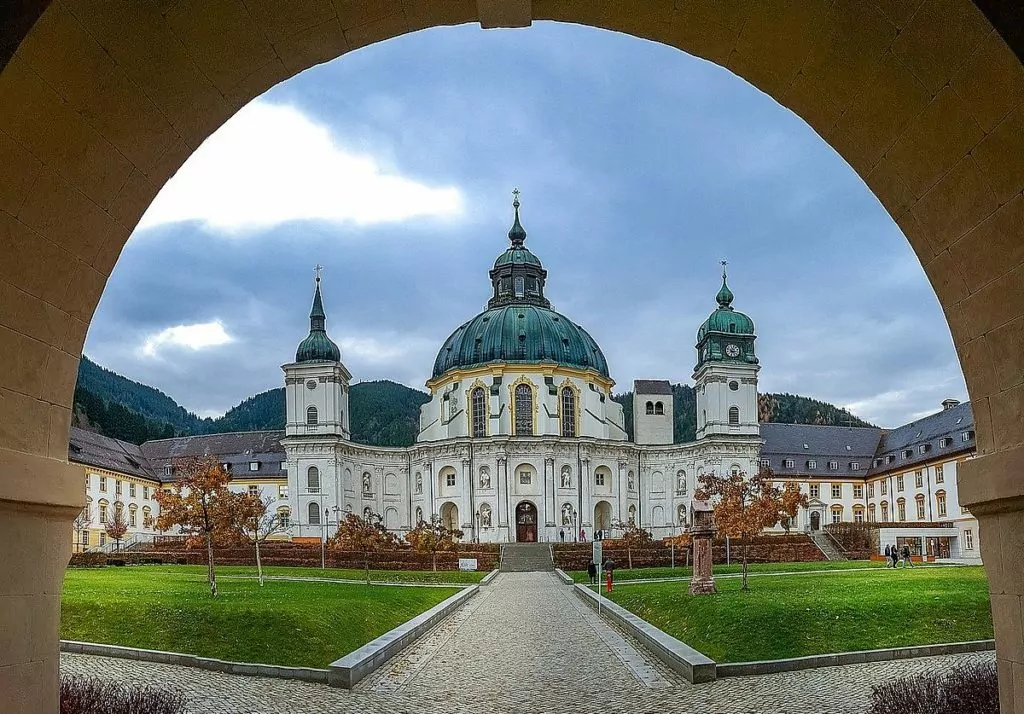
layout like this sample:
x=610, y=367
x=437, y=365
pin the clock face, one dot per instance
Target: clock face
x=732, y=350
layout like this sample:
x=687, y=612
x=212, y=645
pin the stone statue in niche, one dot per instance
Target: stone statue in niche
x=485, y=479
x=485, y=516
x=366, y=483
x=566, y=515
x=681, y=482
x=630, y=482
x=566, y=478
x=419, y=483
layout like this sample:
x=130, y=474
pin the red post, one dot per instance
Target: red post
x=608, y=582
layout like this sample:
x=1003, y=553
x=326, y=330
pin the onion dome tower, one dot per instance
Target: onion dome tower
x=317, y=347
x=519, y=325
x=725, y=377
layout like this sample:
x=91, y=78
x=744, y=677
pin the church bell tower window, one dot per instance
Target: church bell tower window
x=312, y=418
x=479, y=406
x=568, y=412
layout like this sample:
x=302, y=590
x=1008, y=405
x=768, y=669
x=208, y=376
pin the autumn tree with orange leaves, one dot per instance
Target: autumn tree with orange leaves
x=116, y=526
x=433, y=537
x=746, y=506
x=364, y=535
x=200, y=503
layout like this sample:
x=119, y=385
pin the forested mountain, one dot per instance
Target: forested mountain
x=781, y=408
x=381, y=413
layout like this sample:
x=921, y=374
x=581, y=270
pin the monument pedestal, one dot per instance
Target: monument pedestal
x=701, y=533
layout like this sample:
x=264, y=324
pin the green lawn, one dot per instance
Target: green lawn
x=444, y=577
x=797, y=615
x=302, y=624
x=622, y=573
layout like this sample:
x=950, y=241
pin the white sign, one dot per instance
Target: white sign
x=467, y=563
x=597, y=553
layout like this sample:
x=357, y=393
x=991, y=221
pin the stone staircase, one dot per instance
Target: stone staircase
x=827, y=545
x=526, y=557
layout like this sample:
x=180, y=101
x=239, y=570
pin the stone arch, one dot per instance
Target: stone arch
x=602, y=516
x=657, y=516
x=391, y=518
x=450, y=516
x=924, y=102
x=657, y=482
x=390, y=485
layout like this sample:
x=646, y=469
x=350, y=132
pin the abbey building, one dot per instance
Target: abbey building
x=521, y=440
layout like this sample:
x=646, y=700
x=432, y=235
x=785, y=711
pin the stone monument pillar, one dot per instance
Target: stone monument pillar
x=702, y=530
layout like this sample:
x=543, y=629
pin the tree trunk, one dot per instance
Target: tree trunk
x=433, y=560
x=744, y=564
x=629, y=556
x=259, y=565
x=209, y=562
x=366, y=563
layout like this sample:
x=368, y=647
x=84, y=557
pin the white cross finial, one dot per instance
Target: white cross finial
x=317, y=270
x=725, y=263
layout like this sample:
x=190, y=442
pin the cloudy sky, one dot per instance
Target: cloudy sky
x=640, y=169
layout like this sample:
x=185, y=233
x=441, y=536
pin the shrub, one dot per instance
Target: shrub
x=965, y=689
x=88, y=695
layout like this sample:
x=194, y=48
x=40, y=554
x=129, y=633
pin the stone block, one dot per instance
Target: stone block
x=1006, y=617
x=991, y=83
x=1011, y=545
x=693, y=34
x=1000, y=156
x=36, y=117
x=74, y=338
x=1004, y=671
x=957, y=203
x=376, y=31
x=895, y=195
x=280, y=21
x=1006, y=344
x=427, y=13
x=24, y=422
x=60, y=377
x=993, y=247
x=32, y=316
x=504, y=13
x=939, y=39
x=221, y=38
x=353, y=13
x=1008, y=404
x=71, y=61
x=996, y=303
x=84, y=291
x=805, y=98
x=899, y=11
x=979, y=368
x=934, y=142
x=22, y=363
x=255, y=83
x=310, y=47
x=20, y=171
x=945, y=277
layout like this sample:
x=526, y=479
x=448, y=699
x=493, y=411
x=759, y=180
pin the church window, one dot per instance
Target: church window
x=314, y=513
x=103, y=483
x=131, y=489
x=312, y=418
x=968, y=539
x=524, y=410
x=659, y=408
x=519, y=285
x=599, y=478
x=899, y=484
x=450, y=480
x=734, y=415
x=649, y=408
x=568, y=412
x=479, y=412
x=883, y=487
x=918, y=479
x=313, y=480
x=704, y=417
x=734, y=385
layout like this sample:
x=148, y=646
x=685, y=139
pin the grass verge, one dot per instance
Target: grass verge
x=298, y=624
x=799, y=615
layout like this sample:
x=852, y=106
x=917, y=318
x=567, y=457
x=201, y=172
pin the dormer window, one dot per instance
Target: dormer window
x=854, y=466
x=812, y=464
x=788, y=463
x=833, y=465
x=907, y=453
x=944, y=442
x=254, y=465
x=922, y=449
x=967, y=436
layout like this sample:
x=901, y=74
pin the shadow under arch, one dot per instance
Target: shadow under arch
x=104, y=99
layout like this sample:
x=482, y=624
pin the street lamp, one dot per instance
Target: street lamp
x=477, y=532
x=572, y=519
x=323, y=540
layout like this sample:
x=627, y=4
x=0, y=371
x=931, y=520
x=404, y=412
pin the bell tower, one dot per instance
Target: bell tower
x=725, y=377
x=316, y=384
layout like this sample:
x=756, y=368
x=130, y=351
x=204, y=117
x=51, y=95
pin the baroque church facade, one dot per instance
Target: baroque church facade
x=521, y=440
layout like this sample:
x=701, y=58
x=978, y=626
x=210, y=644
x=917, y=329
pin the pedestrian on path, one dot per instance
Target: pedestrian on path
x=592, y=572
x=907, y=560
x=888, y=554
x=583, y=535
x=894, y=555
x=561, y=535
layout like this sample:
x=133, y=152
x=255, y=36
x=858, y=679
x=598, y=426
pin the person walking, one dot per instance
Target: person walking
x=561, y=535
x=592, y=572
x=888, y=554
x=907, y=559
x=894, y=555
x=583, y=535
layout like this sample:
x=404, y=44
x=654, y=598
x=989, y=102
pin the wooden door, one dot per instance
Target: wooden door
x=526, y=523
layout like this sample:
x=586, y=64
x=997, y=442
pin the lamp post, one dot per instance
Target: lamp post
x=477, y=532
x=323, y=540
x=573, y=519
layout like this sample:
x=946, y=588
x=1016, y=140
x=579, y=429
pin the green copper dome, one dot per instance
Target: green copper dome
x=727, y=333
x=520, y=334
x=725, y=318
x=519, y=325
x=317, y=347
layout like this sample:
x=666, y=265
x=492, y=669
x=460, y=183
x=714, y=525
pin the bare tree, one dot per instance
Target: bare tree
x=260, y=526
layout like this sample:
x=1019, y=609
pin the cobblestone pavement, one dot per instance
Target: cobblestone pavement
x=524, y=644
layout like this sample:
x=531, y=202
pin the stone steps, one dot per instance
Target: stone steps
x=526, y=558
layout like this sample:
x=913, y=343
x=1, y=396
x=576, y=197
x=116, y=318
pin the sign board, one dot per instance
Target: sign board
x=597, y=553
x=467, y=563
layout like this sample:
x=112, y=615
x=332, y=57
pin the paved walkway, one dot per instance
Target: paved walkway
x=524, y=644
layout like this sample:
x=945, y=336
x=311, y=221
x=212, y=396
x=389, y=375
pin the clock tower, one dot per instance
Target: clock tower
x=725, y=377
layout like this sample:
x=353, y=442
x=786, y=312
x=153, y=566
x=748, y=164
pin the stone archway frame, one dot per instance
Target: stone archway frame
x=536, y=521
x=104, y=99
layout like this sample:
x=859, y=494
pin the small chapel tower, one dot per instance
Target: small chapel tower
x=725, y=377
x=316, y=383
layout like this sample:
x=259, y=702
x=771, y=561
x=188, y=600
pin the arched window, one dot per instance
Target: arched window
x=313, y=480
x=871, y=513
x=649, y=407
x=524, y=410
x=659, y=408
x=885, y=511
x=940, y=502
x=568, y=412
x=132, y=515
x=284, y=517
x=837, y=514
x=479, y=406
x=312, y=418
x=734, y=415
x=732, y=327
x=901, y=510
x=920, y=505
x=314, y=513
x=520, y=283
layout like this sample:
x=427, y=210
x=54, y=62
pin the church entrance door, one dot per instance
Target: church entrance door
x=815, y=521
x=526, y=522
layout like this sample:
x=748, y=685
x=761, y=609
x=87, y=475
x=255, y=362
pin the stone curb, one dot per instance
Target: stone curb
x=306, y=674
x=679, y=656
x=564, y=577
x=347, y=671
x=746, y=669
x=489, y=577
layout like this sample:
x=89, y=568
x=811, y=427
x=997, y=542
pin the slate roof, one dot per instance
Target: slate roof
x=237, y=449
x=927, y=432
x=821, y=444
x=91, y=449
x=651, y=386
